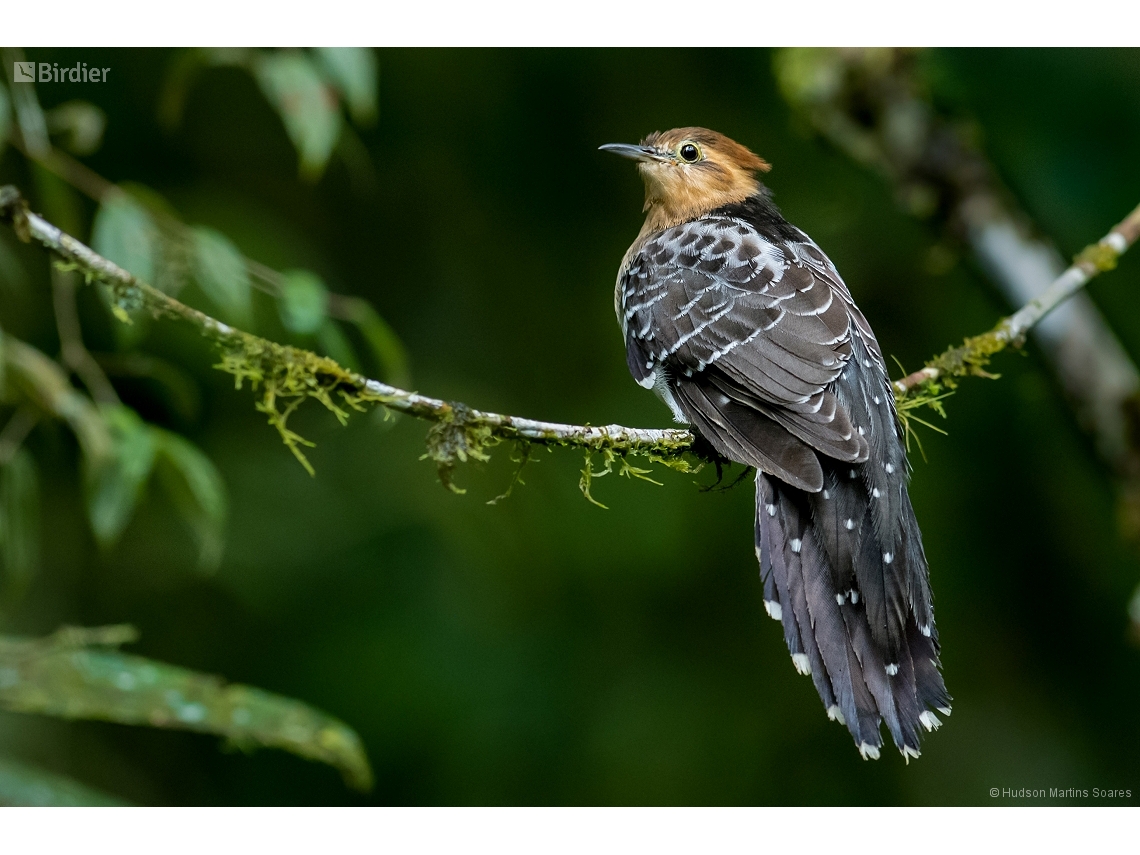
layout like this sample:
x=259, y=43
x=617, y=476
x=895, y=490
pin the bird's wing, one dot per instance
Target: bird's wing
x=749, y=333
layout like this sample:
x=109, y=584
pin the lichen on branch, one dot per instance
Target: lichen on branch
x=973, y=356
x=286, y=377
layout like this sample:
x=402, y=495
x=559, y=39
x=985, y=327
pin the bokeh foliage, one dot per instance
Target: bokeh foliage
x=542, y=650
x=137, y=229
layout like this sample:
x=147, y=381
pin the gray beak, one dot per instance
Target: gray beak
x=634, y=152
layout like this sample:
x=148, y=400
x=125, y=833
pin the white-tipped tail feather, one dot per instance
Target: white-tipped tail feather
x=929, y=720
x=812, y=580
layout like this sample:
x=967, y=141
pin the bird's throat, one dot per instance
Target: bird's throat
x=666, y=207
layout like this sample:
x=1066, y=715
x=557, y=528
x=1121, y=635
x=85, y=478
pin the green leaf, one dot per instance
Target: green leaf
x=172, y=385
x=22, y=785
x=172, y=257
x=13, y=277
x=182, y=73
x=114, y=489
x=19, y=523
x=40, y=380
x=127, y=230
x=77, y=674
x=335, y=345
x=125, y=233
x=198, y=492
x=382, y=340
x=81, y=125
x=307, y=106
x=354, y=72
x=304, y=302
x=220, y=271
x=5, y=116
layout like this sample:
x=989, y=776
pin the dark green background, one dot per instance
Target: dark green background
x=544, y=651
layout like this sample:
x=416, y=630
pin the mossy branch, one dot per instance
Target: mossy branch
x=287, y=376
x=973, y=355
x=877, y=105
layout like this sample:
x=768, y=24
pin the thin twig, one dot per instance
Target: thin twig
x=97, y=188
x=664, y=444
x=73, y=350
x=615, y=437
x=29, y=116
x=15, y=432
x=46, y=387
x=1092, y=261
x=875, y=105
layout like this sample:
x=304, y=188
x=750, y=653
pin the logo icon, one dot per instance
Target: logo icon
x=23, y=72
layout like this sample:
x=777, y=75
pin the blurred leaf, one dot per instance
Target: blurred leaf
x=198, y=492
x=5, y=116
x=382, y=340
x=125, y=233
x=42, y=382
x=153, y=202
x=13, y=277
x=808, y=75
x=335, y=345
x=128, y=225
x=354, y=155
x=58, y=200
x=354, y=72
x=22, y=785
x=19, y=523
x=173, y=251
x=304, y=302
x=29, y=117
x=182, y=72
x=80, y=123
x=307, y=106
x=219, y=270
x=174, y=385
x=74, y=674
x=114, y=489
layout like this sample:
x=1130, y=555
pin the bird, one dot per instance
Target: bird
x=745, y=329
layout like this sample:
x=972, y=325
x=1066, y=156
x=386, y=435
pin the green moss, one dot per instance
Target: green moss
x=972, y=356
x=524, y=456
x=612, y=459
x=457, y=438
x=287, y=377
x=1099, y=255
x=929, y=394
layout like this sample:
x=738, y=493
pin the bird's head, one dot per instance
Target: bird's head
x=690, y=171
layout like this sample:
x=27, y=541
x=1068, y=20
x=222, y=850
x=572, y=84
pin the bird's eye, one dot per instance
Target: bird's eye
x=690, y=153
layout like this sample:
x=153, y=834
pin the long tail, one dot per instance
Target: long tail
x=828, y=563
